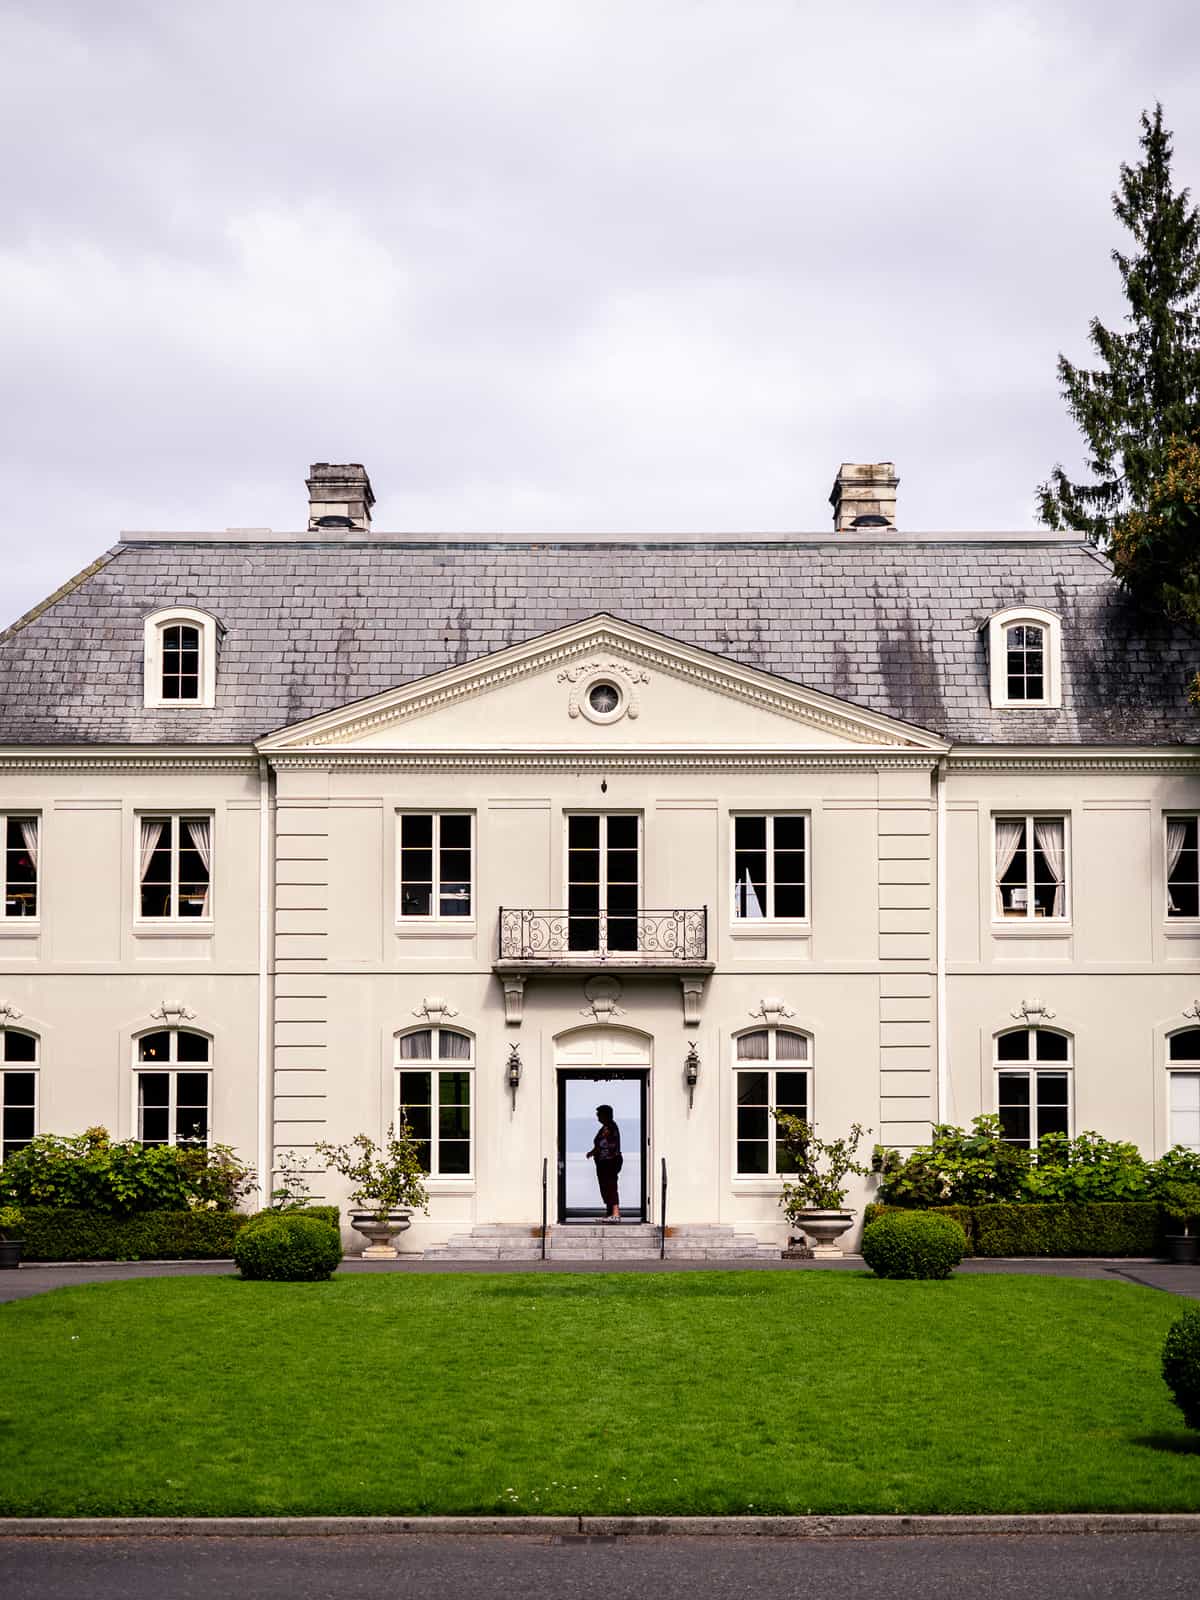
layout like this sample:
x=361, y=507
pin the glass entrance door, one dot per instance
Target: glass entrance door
x=603, y=881
x=580, y=1091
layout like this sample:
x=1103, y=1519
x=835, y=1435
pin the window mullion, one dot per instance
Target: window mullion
x=770, y=842
x=1030, y=872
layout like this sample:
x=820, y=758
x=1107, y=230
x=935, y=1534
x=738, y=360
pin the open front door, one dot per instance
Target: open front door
x=580, y=1091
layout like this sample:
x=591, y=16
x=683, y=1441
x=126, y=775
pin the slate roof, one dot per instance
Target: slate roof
x=890, y=622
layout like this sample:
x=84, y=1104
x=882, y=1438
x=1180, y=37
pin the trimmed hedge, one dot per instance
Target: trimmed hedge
x=62, y=1233
x=287, y=1247
x=1021, y=1228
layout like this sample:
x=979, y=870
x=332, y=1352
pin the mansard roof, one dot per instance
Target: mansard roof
x=890, y=622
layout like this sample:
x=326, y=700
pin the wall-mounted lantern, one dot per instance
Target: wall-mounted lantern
x=691, y=1073
x=513, y=1071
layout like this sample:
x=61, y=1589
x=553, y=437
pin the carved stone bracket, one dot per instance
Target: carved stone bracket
x=173, y=1012
x=434, y=1009
x=514, y=996
x=9, y=1013
x=693, y=994
x=1032, y=1011
x=602, y=994
x=772, y=1010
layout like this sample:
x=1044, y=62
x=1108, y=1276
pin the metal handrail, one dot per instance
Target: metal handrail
x=545, y=1180
x=662, y=1215
x=528, y=933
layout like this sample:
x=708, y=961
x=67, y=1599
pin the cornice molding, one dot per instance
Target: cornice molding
x=124, y=760
x=604, y=760
x=1075, y=760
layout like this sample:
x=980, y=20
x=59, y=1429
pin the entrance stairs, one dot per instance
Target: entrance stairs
x=600, y=1241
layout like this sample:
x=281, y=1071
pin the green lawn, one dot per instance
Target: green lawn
x=718, y=1392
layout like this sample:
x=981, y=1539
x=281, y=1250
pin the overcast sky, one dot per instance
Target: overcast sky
x=652, y=265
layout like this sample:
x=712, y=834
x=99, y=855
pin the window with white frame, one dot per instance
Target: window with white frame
x=1183, y=866
x=434, y=1072
x=1183, y=1092
x=21, y=837
x=1033, y=1084
x=173, y=1089
x=770, y=867
x=435, y=857
x=180, y=659
x=1031, y=868
x=772, y=1072
x=1025, y=658
x=18, y=1090
x=174, y=867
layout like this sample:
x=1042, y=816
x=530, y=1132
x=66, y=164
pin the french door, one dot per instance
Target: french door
x=603, y=881
x=580, y=1091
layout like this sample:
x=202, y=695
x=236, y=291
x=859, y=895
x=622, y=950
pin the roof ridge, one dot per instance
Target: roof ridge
x=60, y=593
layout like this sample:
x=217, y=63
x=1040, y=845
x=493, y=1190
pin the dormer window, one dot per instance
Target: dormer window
x=1025, y=658
x=180, y=659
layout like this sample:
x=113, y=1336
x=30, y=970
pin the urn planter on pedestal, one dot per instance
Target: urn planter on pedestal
x=823, y=1229
x=389, y=1184
x=379, y=1230
x=814, y=1193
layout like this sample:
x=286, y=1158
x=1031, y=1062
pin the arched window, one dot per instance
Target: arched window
x=1183, y=1097
x=19, y=1102
x=772, y=1072
x=173, y=1087
x=1033, y=1084
x=180, y=651
x=434, y=1072
x=1025, y=658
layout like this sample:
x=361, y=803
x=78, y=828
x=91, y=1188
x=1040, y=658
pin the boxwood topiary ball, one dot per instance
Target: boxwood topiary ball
x=285, y=1248
x=913, y=1244
x=1181, y=1364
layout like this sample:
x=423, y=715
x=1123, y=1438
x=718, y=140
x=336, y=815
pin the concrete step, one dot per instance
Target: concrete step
x=600, y=1241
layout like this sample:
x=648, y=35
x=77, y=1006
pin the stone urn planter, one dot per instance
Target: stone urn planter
x=10, y=1252
x=379, y=1230
x=823, y=1229
x=1183, y=1248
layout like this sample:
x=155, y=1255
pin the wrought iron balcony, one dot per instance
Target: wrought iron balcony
x=667, y=940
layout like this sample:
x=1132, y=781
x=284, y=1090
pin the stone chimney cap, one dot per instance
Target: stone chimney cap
x=340, y=497
x=864, y=495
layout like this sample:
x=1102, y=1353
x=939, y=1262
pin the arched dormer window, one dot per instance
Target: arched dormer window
x=180, y=658
x=1025, y=658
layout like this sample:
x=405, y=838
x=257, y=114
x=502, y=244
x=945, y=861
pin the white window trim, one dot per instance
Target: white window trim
x=1045, y=926
x=766, y=1182
x=998, y=625
x=1175, y=924
x=173, y=923
x=28, y=1067
x=1179, y=1069
x=172, y=1067
x=743, y=924
x=1027, y=1067
x=585, y=811
x=15, y=924
x=434, y=920
x=152, y=650
x=442, y=1183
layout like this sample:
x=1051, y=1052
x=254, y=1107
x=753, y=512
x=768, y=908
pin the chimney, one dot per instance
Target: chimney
x=339, y=496
x=864, y=496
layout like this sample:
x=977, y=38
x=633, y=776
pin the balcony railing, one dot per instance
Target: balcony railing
x=633, y=937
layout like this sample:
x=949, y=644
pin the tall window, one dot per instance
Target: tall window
x=603, y=881
x=1033, y=1099
x=175, y=866
x=1183, y=867
x=18, y=1081
x=1025, y=663
x=174, y=1087
x=772, y=1072
x=433, y=1095
x=20, y=836
x=435, y=863
x=1183, y=1094
x=770, y=855
x=1031, y=867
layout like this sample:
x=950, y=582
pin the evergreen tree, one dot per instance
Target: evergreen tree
x=1146, y=389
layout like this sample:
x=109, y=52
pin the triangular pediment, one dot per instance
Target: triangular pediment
x=600, y=684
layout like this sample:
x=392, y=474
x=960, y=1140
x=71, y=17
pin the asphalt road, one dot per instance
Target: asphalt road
x=1035, y=1567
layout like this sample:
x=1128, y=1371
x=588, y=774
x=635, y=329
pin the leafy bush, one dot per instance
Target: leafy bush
x=913, y=1244
x=386, y=1177
x=122, y=1177
x=10, y=1222
x=1098, y=1228
x=821, y=1166
x=1181, y=1364
x=57, y=1233
x=1181, y=1203
x=958, y=1168
x=963, y=1215
x=287, y=1247
x=1088, y=1167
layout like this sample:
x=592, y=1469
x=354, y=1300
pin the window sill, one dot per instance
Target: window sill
x=758, y=1186
x=1182, y=928
x=436, y=928
x=20, y=927
x=178, y=705
x=449, y=1186
x=173, y=930
x=767, y=928
x=1034, y=928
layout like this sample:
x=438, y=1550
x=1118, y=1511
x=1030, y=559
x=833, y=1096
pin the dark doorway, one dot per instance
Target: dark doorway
x=580, y=1091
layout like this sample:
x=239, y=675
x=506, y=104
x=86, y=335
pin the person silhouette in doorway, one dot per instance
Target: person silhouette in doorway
x=606, y=1153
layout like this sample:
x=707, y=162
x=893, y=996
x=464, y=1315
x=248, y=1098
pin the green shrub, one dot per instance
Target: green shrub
x=913, y=1244
x=10, y=1222
x=122, y=1178
x=286, y=1247
x=1181, y=1364
x=963, y=1215
x=1100, y=1228
x=64, y=1233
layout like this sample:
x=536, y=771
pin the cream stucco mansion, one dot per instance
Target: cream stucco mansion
x=887, y=827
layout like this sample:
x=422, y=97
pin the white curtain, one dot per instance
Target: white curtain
x=416, y=1046
x=749, y=905
x=752, y=1047
x=790, y=1046
x=152, y=829
x=453, y=1046
x=1050, y=834
x=1010, y=831
x=1177, y=831
x=200, y=833
x=29, y=835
